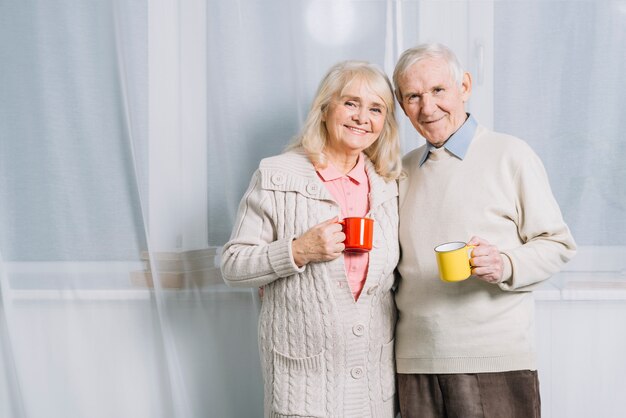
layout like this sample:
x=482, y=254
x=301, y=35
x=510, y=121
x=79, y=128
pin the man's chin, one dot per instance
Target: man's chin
x=433, y=138
x=430, y=138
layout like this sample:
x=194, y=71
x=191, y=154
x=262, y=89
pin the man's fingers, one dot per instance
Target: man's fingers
x=478, y=241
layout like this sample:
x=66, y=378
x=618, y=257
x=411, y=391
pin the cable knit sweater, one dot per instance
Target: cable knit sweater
x=500, y=192
x=322, y=353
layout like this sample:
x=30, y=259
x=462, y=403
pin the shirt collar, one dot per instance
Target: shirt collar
x=357, y=173
x=459, y=142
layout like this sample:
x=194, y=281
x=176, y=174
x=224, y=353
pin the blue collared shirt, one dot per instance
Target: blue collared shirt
x=459, y=142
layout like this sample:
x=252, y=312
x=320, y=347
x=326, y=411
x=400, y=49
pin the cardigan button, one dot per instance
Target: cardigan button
x=356, y=372
x=278, y=179
x=312, y=188
x=358, y=330
x=372, y=289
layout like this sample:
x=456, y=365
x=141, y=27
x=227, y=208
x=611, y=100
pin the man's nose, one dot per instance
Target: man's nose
x=428, y=104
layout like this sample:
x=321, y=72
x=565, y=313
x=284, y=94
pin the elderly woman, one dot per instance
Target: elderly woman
x=327, y=319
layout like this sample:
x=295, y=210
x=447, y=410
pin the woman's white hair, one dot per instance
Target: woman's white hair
x=385, y=152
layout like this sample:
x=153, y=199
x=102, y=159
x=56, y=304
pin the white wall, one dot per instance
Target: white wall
x=100, y=354
x=581, y=342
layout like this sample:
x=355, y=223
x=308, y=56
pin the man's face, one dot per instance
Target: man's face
x=432, y=100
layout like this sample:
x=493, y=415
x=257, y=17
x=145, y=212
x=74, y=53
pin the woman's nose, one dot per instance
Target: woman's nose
x=360, y=116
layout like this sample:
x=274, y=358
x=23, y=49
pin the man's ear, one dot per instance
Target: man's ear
x=466, y=86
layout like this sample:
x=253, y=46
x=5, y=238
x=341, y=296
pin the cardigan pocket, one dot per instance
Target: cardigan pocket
x=299, y=386
x=387, y=370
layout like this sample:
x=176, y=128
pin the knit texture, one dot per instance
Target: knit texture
x=499, y=192
x=322, y=353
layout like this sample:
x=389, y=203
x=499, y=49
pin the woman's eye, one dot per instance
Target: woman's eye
x=377, y=110
x=351, y=104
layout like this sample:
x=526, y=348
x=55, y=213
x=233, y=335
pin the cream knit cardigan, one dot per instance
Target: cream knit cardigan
x=322, y=353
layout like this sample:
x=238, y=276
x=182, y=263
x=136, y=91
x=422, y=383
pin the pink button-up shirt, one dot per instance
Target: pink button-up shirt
x=351, y=192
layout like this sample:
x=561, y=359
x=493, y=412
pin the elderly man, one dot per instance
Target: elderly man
x=466, y=349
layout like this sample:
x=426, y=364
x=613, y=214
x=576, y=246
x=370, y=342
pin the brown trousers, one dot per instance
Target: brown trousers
x=482, y=395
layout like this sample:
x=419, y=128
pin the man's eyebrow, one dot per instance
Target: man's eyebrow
x=409, y=93
x=412, y=92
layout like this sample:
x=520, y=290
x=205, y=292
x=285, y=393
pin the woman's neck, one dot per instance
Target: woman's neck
x=344, y=163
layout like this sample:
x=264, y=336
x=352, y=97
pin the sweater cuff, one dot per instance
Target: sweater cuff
x=507, y=270
x=281, y=258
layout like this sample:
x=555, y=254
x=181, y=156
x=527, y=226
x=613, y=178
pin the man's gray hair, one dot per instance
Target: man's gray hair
x=423, y=51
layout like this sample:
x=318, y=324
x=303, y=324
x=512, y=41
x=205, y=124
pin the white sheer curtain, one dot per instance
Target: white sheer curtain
x=129, y=131
x=561, y=87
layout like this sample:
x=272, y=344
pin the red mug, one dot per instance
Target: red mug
x=359, y=233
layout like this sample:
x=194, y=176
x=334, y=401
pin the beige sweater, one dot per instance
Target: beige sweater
x=499, y=192
x=322, y=353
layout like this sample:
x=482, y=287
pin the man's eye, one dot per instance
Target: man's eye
x=413, y=98
x=438, y=90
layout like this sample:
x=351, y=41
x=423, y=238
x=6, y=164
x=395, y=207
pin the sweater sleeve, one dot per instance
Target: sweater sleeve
x=547, y=241
x=253, y=257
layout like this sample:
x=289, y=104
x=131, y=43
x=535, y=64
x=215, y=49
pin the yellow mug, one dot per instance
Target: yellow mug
x=453, y=259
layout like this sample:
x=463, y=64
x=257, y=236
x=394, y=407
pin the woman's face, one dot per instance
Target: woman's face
x=354, y=120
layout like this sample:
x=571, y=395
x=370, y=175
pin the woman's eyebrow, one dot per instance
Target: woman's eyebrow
x=358, y=99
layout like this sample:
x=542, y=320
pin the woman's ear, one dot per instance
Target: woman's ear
x=323, y=113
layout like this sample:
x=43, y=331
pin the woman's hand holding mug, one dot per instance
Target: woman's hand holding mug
x=323, y=242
